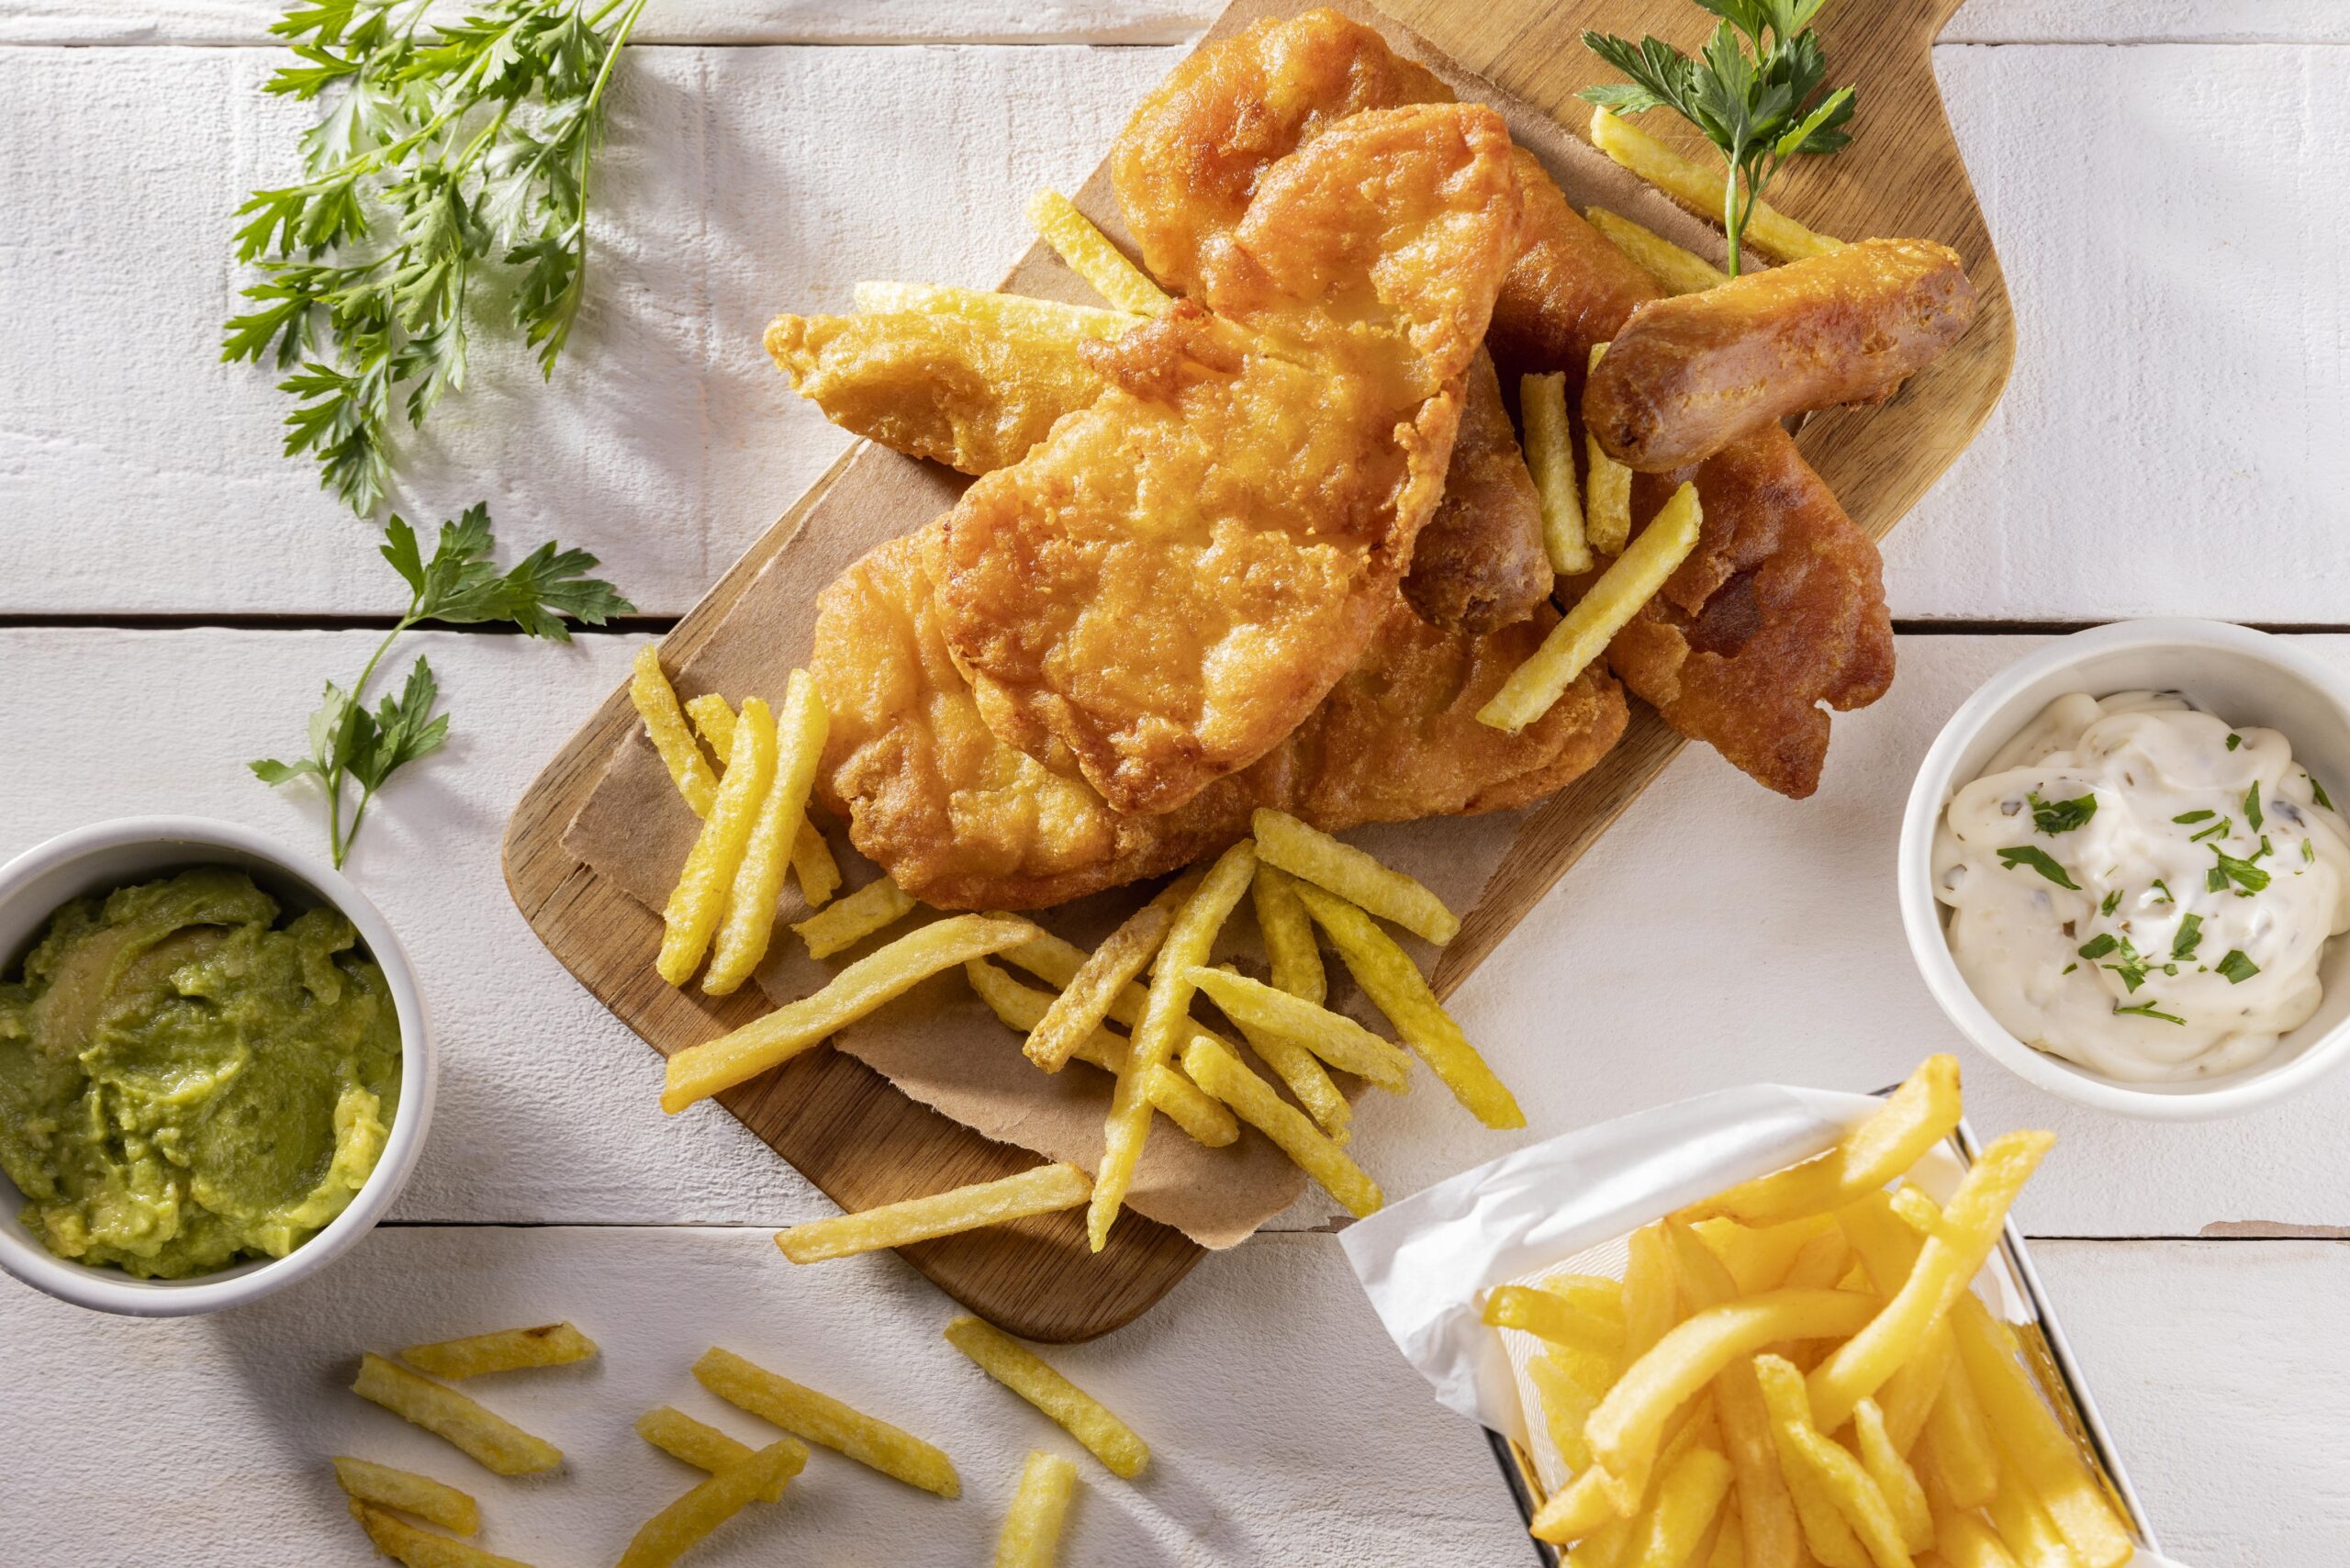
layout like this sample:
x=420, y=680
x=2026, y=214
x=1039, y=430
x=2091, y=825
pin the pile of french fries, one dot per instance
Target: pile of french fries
x=1797, y=1371
x=385, y=1500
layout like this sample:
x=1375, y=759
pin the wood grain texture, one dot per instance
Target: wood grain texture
x=848, y=1132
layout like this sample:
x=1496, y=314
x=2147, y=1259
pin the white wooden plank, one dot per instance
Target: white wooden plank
x=2172, y=439
x=140, y=474
x=1284, y=1427
x=244, y=22
x=1668, y=963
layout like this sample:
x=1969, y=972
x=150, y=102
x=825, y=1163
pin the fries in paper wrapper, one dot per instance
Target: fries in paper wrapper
x=1561, y=1214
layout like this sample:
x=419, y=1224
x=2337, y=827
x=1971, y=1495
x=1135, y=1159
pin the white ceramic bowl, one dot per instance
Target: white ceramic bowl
x=109, y=854
x=2246, y=677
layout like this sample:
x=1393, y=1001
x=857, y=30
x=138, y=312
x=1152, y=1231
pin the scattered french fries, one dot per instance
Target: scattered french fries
x=1091, y=992
x=1310, y=1084
x=507, y=1350
x=1675, y=270
x=1007, y=309
x=1048, y=1189
x=1607, y=486
x=825, y=1421
x=699, y=1071
x=1315, y=858
x=1032, y=1530
x=1700, y=189
x=1166, y=1024
x=491, y=1440
x=691, y=916
x=1058, y=961
x=748, y=922
x=1090, y=256
x=1581, y=635
x=664, y=725
x=1029, y=1375
x=1396, y=986
x=1289, y=948
x=1915, y=1118
x=1333, y=1037
x=434, y=1501
x=812, y=857
x=1221, y=1074
x=669, y=1534
x=403, y=1542
x=846, y=922
x=1551, y=459
x=698, y=1443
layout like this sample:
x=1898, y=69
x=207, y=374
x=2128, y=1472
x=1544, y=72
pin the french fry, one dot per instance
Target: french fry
x=1833, y=1471
x=1913, y=1208
x=846, y=922
x=699, y=1071
x=1958, y=1442
x=1946, y=1264
x=1909, y=1394
x=491, y=1440
x=1920, y=1114
x=1031, y=1536
x=403, y=1542
x=699, y=1444
x=1334, y=1037
x=1056, y=960
x=1965, y=1541
x=669, y=1534
x=714, y=721
x=1607, y=487
x=749, y=921
x=691, y=916
x=1627, y=1428
x=1581, y=635
x=1551, y=459
x=2024, y=1525
x=1688, y=1496
x=1314, y=858
x=812, y=857
x=1309, y=1082
x=1583, y=1506
x=1048, y=1189
x=1176, y=1097
x=1396, y=986
x=1090, y=256
x=1770, y=1536
x=1701, y=189
x=1007, y=309
x=2028, y=1433
x=1730, y=1550
x=1289, y=948
x=1029, y=1375
x=664, y=725
x=825, y=1421
x=434, y=1501
x=1219, y=1072
x=1892, y=1476
x=1166, y=1024
x=1650, y=1291
x=1085, y=1000
x=1819, y=1262
x=1676, y=270
x=507, y=1350
x=1552, y=1316
x=1758, y=1259
x=1566, y=1403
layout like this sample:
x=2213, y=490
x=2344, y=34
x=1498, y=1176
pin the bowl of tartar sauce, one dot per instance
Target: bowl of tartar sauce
x=2125, y=869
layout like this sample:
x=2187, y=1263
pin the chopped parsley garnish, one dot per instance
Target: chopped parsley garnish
x=2070, y=968
x=2317, y=792
x=2146, y=1010
x=2053, y=817
x=2165, y=888
x=2040, y=861
x=2309, y=850
x=2194, y=816
x=2220, y=829
x=2252, y=806
x=2237, y=967
x=2112, y=901
x=2099, y=946
x=2191, y=936
x=2243, y=873
x=2265, y=847
x=2235, y=741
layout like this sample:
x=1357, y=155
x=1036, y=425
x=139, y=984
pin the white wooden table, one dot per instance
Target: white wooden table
x=2160, y=179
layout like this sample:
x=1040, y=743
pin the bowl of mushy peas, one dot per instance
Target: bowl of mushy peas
x=215, y=1074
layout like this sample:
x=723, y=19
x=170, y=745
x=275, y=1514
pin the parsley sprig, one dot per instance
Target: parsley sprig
x=1754, y=89
x=451, y=149
x=352, y=745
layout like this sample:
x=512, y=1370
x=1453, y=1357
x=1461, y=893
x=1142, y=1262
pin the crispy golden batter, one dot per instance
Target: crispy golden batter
x=973, y=394
x=1176, y=577
x=963, y=821
x=1686, y=377
x=1479, y=562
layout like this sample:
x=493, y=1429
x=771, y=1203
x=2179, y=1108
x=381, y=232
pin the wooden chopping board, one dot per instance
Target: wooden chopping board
x=863, y=1142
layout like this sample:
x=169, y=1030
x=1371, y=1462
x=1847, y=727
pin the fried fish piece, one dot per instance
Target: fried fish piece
x=1686, y=376
x=1172, y=580
x=963, y=821
x=973, y=394
x=1480, y=562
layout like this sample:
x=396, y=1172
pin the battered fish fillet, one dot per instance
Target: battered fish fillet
x=975, y=396
x=1176, y=577
x=1479, y=562
x=962, y=821
x=1755, y=687
x=1686, y=376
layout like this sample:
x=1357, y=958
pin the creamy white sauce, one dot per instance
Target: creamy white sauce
x=2143, y=929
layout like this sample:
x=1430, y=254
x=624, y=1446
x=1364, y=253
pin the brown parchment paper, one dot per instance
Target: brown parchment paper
x=939, y=1043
